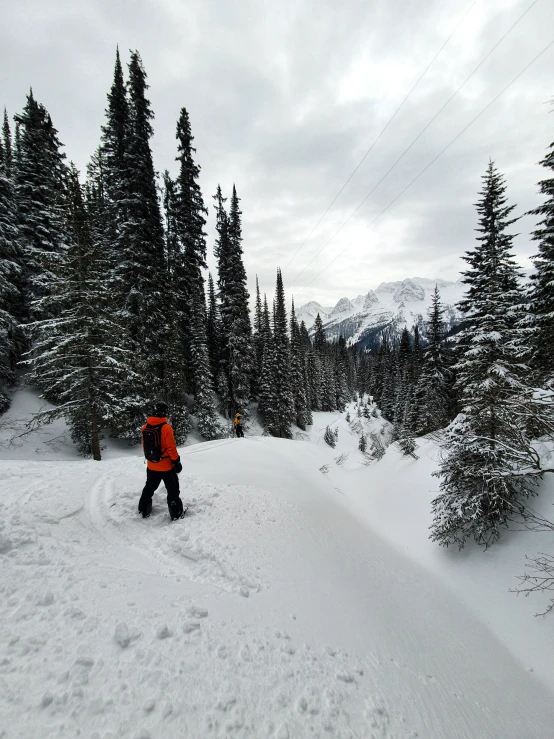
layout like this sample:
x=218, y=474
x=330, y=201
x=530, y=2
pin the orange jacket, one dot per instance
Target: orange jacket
x=169, y=450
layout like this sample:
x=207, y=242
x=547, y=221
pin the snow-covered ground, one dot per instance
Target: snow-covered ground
x=298, y=598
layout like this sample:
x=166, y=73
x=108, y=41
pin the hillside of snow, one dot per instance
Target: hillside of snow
x=299, y=597
x=392, y=305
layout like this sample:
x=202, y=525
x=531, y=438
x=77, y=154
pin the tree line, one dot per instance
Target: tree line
x=103, y=294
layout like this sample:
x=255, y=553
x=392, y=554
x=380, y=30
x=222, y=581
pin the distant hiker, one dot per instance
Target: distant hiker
x=163, y=462
x=238, y=425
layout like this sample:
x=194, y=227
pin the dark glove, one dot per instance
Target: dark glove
x=177, y=466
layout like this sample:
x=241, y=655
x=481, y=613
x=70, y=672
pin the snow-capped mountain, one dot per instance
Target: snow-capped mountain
x=392, y=306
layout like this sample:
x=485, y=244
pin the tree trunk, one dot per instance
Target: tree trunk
x=95, y=436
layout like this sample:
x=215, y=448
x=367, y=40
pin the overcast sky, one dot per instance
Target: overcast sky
x=286, y=97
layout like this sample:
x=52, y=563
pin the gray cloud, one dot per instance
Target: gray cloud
x=285, y=99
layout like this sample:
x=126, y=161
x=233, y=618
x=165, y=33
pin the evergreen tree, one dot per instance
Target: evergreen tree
x=139, y=274
x=342, y=364
x=406, y=442
x=190, y=223
x=327, y=390
x=485, y=473
x=313, y=375
x=403, y=377
x=6, y=146
x=329, y=437
x=233, y=297
x=542, y=290
x=432, y=397
x=302, y=414
x=362, y=444
x=213, y=329
x=257, y=344
x=283, y=411
x=175, y=374
x=266, y=404
x=76, y=359
x=40, y=180
x=320, y=341
x=11, y=339
x=112, y=158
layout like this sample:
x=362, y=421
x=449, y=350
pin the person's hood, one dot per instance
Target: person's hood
x=155, y=420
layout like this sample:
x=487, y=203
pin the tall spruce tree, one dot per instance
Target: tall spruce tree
x=112, y=158
x=542, y=289
x=302, y=413
x=266, y=395
x=485, y=474
x=213, y=330
x=191, y=222
x=176, y=346
x=235, y=318
x=11, y=339
x=77, y=360
x=283, y=412
x=257, y=344
x=139, y=274
x=432, y=397
x=40, y=181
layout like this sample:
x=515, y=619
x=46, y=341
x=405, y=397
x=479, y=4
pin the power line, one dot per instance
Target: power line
x=433, y=160
x=362, y=160
x=420, y=134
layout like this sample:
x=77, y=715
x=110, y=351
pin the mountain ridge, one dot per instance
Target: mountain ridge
x=387, y=308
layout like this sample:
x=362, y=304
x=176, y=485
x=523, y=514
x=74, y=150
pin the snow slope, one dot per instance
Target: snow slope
x=392, y=305
x=290, y=602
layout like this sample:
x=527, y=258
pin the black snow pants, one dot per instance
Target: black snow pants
x=171, y=482
x=239, y=432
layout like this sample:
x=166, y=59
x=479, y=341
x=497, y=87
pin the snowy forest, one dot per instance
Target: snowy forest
x=105, y=305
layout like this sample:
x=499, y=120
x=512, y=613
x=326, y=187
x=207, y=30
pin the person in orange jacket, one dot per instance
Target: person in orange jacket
x=163, y=462
x=238, y=426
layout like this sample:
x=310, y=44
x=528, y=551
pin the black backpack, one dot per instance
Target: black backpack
x=152, y=442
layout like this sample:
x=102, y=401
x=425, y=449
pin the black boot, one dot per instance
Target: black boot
x=145, y=507
x=176, y=509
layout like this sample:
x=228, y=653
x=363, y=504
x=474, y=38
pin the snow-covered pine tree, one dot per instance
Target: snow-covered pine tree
x=76, y=359
x=113, y=162
x=389, y=367
x=11, y=339
x=233, y=298
x=542, y=281
x=327, y=390
x=329, y=437
x=431, y=396
x=139, y=275
x=257, y=345
x=175, y=380
x=486, y=472
x=266, y=402
x=302, y=414
x=283, y=402
x=342, y=362
x=362, y=444
x=406, y=442
x=403, y=378
x=313, y=376
x=213, y=330
x=190, y=212
x=40, y=175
